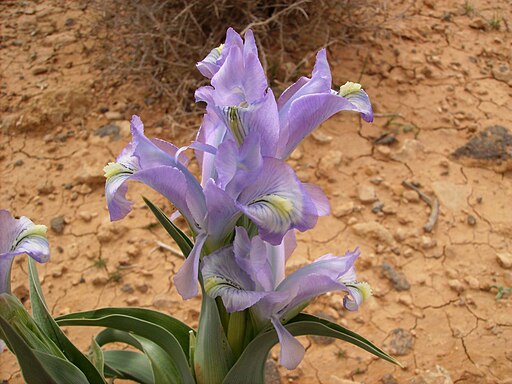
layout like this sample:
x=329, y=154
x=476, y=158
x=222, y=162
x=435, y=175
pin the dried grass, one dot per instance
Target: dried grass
x=157, y=43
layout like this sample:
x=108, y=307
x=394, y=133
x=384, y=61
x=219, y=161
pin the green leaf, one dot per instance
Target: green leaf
x=140, y=327
x=177, y=328
x=250, y=367
x=213, y=357
x=161, y=362
x=96, y=357
x=177, y=234
x=40, y=367
x=45, y=321
x=128, y=365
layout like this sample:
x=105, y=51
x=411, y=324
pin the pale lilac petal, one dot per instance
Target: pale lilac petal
x=222, y=214
x=309, y=111
x=186, y=279
x=289, y=243
x=115, y=193
x=212, y=133
x=254, y=81
x=5, y=272
x=224, y=278
x=292, y=352
x=319, y=199
x=228, y=80
x=276, y=202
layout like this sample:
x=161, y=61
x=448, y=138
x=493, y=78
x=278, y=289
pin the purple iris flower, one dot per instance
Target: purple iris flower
x=250, y=274
x=240, y=96
x=18, y=236
x=265, y=189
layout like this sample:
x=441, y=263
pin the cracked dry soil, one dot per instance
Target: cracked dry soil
x=438, y=74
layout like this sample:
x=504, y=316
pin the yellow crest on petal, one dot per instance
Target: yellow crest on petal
x=349, y=88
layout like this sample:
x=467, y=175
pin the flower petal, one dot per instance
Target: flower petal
x=292, y=352
x=186, y=278
x=224, y=277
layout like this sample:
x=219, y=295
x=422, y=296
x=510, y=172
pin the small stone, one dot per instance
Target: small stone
x=142, y=288
x=127, y=288
x=383, y=150
x=296, y=154
x=374, y=230
x=478, y=23
x=401, y=342
x=57, y=224
x=427, y=242
x=438, y=376
x=113, y=115
x=18, y=163
x=388, y=378
x=132, y=300
x=377, y=206
x=344, y=209
x=111, y=130
x=85, y=216
x=405, y=299
x=411, y=196
x=397, y=279
x=408, y=253
x=400, y=234
x=472, y=282
x=39, y=71
x=504, y=259
x=133, y=250
x=377, y=180
x=352, y=220
x=84, y=189
x=99, y=280
x=329, y=164
x=321, y=137
x=163, y=302
x=366, y=194
x=456, y=285
x=471, y=220
x=59, y=271
x=46, y=188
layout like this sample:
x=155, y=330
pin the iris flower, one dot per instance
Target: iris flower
x=250, y=274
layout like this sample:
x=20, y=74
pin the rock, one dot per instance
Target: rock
x=272, y=375
x=478, y=23
x=366, y=193
x=427, y=242
x=127, y=288
x=401, y=342
x=296, y=154
x=456, y=285
x=374, y=230
x=114, y=115
x=329, y=164
x=453, y=196
x=504, y=259
x=99, y=280
x=39, y=71
x=491, y=148
x=132, y=300
x=321, y=137
x=471, y=220
x=397, y=279
x=438, y=376
x=472, y=282
x=142, y=287
x=411, y=196
x=91, y=174
x=57, y=224
x=503, y=73
x=343, y=210
x=409, y=150
x=388, y=378
x=111, y=130
x=163, y=301
x=46, y=187
x=84, y=189
x=85, y=216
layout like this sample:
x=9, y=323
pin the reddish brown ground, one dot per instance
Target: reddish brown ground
x=437, y=73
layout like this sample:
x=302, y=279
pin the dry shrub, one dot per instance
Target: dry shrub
x=158, y=42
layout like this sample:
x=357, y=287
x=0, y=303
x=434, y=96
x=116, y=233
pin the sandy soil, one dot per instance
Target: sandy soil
x=438, y=74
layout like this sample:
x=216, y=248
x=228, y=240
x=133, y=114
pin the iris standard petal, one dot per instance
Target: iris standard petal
x=292, y=352
x=186, y=278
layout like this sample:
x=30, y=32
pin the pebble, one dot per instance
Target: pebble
x=133, y=300
x=111, y=130
x=127, y=288
x=57, y=224
x=84, y=189
x=374, y=230
x=438, y=376
x=401, y=343
x=397, y=279
x=504, y=259
x=456, y=285
x=46, y=188
x=376, y=180
x=113, y=115
x=163, y=302
x=411, y=196
x=388, y=378
x=427, y=242
x=471, y=220
x=142, y=288
x=472, y=282
x=405, y=299
x=366, y=193
x=400, y=234
x=296, y=154
x=99, y=280
x=18, y=163
x=85, y=216
x=344, y=209
x=39, y=71
x=321, y=137
x=377, y=206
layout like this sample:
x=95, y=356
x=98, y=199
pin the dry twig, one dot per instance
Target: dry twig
x=432, y=202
